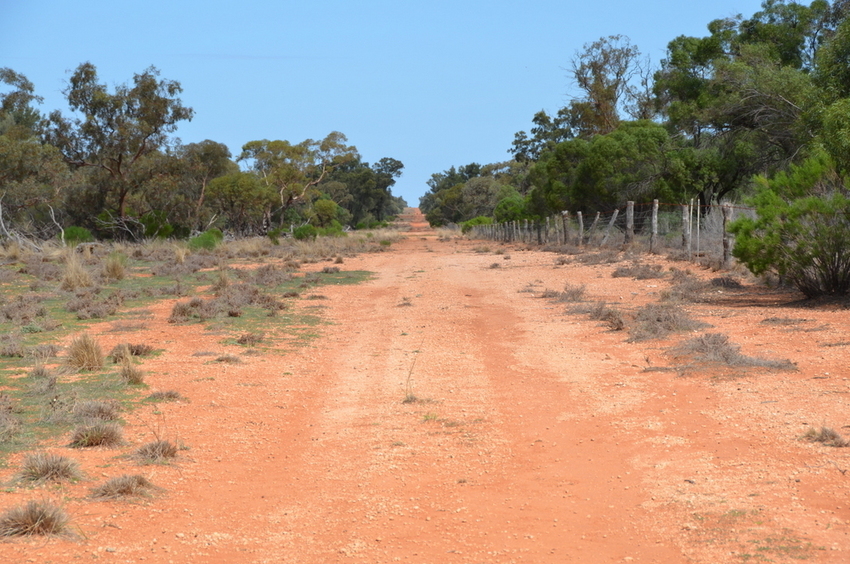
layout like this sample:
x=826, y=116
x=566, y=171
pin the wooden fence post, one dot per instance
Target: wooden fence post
x=565, y=219
x=653, y=239
x=610, y=226
x=630, y=222
x=727, y=237
x=580, y=229
x=686, y=231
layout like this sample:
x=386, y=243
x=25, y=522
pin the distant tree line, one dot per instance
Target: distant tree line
x=753, y=97
x=757, y=111
x=111, y=165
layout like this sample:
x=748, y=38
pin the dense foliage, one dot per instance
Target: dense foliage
x=758, y=109
x=752, y=97
x=112, y=167
x=802, y=231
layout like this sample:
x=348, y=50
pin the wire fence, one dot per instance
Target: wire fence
x=691, y=231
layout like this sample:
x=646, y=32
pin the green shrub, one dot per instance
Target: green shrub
x=802, y=229
x=208, y=240
x=75, y=235
x=333, y=229
x=275, y=235
x=305, y=232
x=156, y=225
x=466, y=226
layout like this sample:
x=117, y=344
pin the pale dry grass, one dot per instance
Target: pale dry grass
x=49, y=467
x=114, y=267
x=75, y=275
x=34, y=518
x=128, y=485
x=132, y=375
x=84, y=353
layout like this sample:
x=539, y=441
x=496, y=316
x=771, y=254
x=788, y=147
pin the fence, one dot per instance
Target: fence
x=698, y=232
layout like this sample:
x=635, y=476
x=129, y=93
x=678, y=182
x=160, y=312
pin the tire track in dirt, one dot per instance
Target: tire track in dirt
x=484, y=478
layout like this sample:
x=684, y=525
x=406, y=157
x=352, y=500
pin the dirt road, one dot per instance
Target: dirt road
x=536, y=436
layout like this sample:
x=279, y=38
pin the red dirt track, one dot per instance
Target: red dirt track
x=538, y=437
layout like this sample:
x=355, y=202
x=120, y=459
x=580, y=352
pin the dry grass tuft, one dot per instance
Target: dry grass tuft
x=114, y=268
x=34, y=518
x=251, y=339
x=228, y=359
x=156, y=452
x=49, y=467
x=97, y=434
x=75, y=275
x=826, y=436
x=166, y=395
x=121, y=354
x=128, y=485
x=84, y=353
x=132, y=375
x=94, y=411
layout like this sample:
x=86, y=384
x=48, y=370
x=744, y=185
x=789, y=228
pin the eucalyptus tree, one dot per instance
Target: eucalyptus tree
x=112, y=133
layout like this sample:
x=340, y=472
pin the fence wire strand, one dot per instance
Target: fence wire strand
x=692, y=231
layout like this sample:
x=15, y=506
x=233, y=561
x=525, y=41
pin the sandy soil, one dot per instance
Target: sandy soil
x=539, y=436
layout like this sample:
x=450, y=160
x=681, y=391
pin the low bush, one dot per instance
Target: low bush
x=207, y=240
x=12, y=346
x=572, y=293
x=75, y=235
x=715, y=348
x=305, y=232
x=656, y=321
x=612, y=317
x=467, y=226
x=9, y=424
x=24, y=309
x=639, y=271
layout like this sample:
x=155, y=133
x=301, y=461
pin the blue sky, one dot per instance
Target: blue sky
x=432, y=84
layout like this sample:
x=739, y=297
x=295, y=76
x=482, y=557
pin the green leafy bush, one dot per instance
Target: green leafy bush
x=75, y=235
x=305, y=232
x=802, y=229
x=466, y=226
x=276, y=233
x=208, y=240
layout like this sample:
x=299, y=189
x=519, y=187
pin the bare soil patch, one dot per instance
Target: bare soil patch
x=537, y=435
